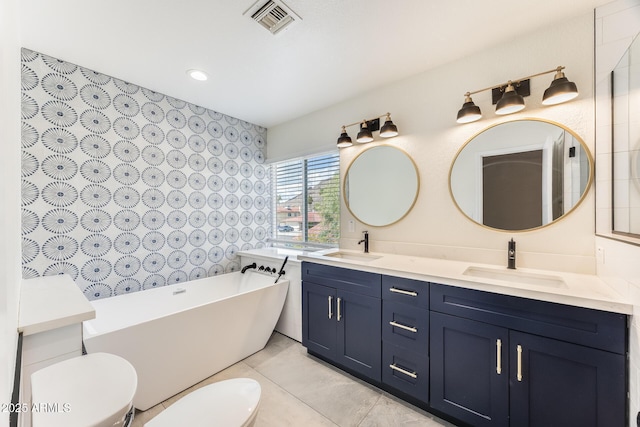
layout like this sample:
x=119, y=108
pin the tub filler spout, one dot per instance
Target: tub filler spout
x=247, y=267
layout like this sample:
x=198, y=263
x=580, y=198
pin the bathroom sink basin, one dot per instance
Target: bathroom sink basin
x=516, y=276
x=362, y=257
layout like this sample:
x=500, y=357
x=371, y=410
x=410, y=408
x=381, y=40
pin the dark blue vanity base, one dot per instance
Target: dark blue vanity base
x=472, y=357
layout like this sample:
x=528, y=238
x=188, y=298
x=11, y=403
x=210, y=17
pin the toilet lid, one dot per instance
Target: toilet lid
x=92, y=390
x=225, y=403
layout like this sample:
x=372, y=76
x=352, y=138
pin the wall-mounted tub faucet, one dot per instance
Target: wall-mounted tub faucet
x=511, y=255
x=246, y=267
x=365, y=240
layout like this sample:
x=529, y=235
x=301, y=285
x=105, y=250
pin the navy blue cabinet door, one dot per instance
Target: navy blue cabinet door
x=359, y=333
x=554, y=383
x=469, y=370
x=319, y=326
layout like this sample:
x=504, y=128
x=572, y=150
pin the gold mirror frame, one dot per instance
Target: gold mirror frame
x=345, y=190
x=553, y=221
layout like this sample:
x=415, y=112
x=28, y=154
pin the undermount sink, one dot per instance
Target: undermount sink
x=516, y=276
x=362, y=257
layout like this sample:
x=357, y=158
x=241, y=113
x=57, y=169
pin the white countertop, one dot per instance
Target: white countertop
x=51, y=302
x=581, y=290
x=277, y=253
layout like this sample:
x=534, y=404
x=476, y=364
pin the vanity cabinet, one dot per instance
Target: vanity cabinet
x=468, y=379
x=498, y=360
x=405, y=336
x=480, y=358
x=342, y=316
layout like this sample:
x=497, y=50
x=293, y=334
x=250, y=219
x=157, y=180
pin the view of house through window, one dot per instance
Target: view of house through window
x=307, y=201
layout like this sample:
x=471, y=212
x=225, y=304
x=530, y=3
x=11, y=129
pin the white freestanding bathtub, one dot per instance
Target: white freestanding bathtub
x=178, y=335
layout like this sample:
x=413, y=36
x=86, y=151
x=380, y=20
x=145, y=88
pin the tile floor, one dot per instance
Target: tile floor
x=300, y=390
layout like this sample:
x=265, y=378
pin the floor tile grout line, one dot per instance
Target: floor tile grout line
x=370, y=409
x=296, y=398
x=276, y=384
x=320, y=363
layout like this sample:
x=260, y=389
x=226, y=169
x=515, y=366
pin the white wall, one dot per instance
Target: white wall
x=616, y=25
x=9, y=195
x=424, y=109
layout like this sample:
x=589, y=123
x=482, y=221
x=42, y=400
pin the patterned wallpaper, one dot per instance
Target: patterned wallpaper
x=127, y=189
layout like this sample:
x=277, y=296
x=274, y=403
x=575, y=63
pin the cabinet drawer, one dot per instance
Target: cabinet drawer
x=406, y=291
x=406, y=371
x=361, y=282
x=592, y=328
x=405, y=326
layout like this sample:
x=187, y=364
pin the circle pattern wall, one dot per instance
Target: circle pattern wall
x=127, y=189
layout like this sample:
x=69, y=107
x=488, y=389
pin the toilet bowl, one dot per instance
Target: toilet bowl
x=92, y=390
x=230, y=403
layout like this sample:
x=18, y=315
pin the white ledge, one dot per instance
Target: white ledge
x=51, y=302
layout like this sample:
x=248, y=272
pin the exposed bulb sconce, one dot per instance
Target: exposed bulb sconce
x=509, y=97
x=367, y=127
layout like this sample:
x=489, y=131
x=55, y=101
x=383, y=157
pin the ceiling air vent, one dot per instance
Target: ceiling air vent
x=272, y=15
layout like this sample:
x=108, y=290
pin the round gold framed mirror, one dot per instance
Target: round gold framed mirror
x=521, y=175
x=381, y=185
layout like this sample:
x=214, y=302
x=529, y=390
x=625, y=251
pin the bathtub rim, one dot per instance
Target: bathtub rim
x=90, y=332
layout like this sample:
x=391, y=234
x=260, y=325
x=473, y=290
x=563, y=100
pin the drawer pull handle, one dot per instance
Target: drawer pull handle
x=338, y=304
x=403, y=292
x=330, y=299
x=405, y=327
x=404, y=371
x=519, y=350
x=499, y=356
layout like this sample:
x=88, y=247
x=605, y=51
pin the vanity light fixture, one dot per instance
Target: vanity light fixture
x=365, y=134
x=388, y=129
x=561, y=90
x=197, y=75
x=509, y=97
x=511, y=101
x=367, y=127
x=344, y=140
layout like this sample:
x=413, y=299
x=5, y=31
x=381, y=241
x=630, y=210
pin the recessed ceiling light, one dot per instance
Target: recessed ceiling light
x=197, y=75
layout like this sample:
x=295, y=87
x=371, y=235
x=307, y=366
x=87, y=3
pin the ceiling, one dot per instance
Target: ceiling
x=339, y=48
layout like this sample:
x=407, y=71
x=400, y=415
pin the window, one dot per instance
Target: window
x=307, y=201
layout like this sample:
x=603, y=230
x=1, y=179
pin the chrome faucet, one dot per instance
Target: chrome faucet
x=365, y=240
x=511, y=255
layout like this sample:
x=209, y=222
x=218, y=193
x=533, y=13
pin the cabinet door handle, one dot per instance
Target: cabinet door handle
x=403, y=292
x=338, y=304
x=404, y=371
x=405, y=327
x=519, y=350
x=330, y=299
x=499, y=356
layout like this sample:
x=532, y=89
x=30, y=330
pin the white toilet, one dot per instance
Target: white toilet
x=92, y=390
x=230, y=403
